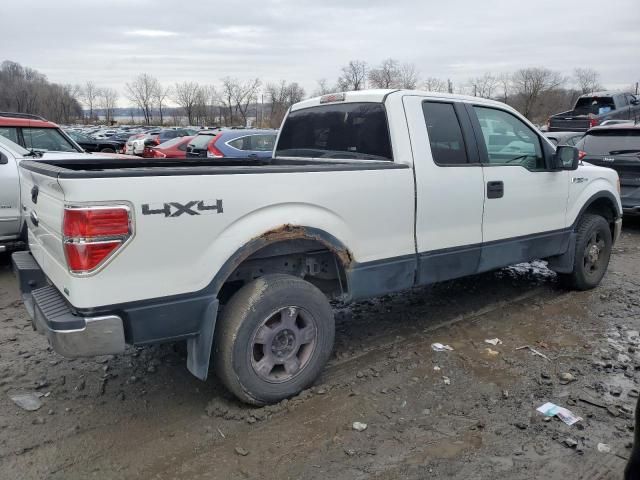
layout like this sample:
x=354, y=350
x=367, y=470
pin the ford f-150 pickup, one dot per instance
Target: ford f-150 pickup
x=595, y=108
x=367, y=193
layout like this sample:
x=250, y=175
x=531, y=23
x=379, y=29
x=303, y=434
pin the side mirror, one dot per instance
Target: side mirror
x=635, y=102
x=3, y=159
x=566, y=158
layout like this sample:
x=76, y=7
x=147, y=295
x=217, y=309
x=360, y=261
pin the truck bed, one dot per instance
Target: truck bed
x=140, y=167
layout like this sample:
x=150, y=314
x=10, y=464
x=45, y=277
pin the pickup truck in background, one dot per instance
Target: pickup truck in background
x=367, y=193
x=594, y=108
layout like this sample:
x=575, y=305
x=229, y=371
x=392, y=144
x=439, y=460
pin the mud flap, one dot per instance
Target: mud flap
x=564, y=263
x=199, y=347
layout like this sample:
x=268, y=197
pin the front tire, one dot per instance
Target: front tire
x=108, y=150
x=273, y=339
x=593, y=251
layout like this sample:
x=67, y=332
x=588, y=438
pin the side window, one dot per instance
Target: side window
x=10, y=132
x=262, y=143
x=445, y=134
x=623, y=100
x=509, y=141
x=241, y=143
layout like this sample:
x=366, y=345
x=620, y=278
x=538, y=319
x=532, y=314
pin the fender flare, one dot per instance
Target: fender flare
x=601, y=194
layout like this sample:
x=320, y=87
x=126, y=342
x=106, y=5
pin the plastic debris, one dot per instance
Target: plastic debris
x=493, y=341
x=27, y=401
x=436, y=368
x=604, y=448
x=534, y=351
x=551, y=409
x=439, y=347
x=359, y=426
x=446, y=380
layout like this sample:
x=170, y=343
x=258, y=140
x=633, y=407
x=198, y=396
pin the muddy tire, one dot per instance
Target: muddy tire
x=593, y=251
x=273, y=339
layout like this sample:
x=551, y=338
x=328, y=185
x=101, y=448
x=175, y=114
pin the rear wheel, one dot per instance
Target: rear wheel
x=108, y=150
x=593, y=251
x=273, y=338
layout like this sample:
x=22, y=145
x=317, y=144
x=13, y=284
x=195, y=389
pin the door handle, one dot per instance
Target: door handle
x=495, y=189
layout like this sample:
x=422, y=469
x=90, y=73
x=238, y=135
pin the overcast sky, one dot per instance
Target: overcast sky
x=111, y=41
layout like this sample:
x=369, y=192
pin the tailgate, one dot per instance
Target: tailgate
x=569, y=124
x=43, y=206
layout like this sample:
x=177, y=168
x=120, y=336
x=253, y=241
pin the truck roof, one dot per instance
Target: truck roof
x=379, y=96
x=604, y=93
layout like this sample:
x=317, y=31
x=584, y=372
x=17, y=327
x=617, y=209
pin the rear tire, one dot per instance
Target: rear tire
x=273, y=339
x=108, y=150
x=593, y=251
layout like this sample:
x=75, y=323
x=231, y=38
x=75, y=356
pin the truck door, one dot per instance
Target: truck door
x=449, y=188
x=9, y=196
x=525, y=202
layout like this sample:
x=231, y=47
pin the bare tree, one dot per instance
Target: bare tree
x=504, y=82
x=236, y=97
x=354, y=76
x=185, y=94
x=433, y=84
x=160, y=97
x=408, y=76
x=90, y=96
x=324, y=88
x=587, y=80
x=108, y=100
x=142, y=92
x=483, y=86
x=387, y=75
x=531, y=83
x=281, y=96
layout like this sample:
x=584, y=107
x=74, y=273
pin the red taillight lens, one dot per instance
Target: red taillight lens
x=581, y=154
x=593, y=122
x=93, y=234
x=95, y=222
x=83, y=257
x=213, y=152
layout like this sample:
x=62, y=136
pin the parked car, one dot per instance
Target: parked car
x=92, y=145
x=617, y=147
x=12, y=221
x=564, y=138
x=593, y=109
x=232, y=144
x=367, y=193
x=136, y=144
x=174, y=148
x=35, y=133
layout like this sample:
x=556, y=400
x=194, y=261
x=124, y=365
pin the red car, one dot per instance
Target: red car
x=174, y=148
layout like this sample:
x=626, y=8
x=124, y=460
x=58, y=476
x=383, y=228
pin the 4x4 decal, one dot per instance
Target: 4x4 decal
x=175, y=209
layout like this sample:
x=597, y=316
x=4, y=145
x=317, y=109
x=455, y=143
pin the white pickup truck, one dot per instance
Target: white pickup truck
x=367, y=193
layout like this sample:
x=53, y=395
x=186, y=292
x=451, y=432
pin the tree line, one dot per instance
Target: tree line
x=537, y=92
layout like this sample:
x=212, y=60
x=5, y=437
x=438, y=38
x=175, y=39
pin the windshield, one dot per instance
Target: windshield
x=594, y=105
x=610, y=142
x=14, y=146
x=341, y=131
x=47, y=140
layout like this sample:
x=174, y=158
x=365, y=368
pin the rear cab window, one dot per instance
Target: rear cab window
x=594, y=105
x=445, y=134
x=351, y=131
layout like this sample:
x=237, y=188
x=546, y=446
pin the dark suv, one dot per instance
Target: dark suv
x=35, y=133
x=618, y=147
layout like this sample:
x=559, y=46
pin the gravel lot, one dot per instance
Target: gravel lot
x=469, y=413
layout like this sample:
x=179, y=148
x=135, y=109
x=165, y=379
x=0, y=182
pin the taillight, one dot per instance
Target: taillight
x=93, y=234
x=212, y=151
x=593, y=122
x=581, y=154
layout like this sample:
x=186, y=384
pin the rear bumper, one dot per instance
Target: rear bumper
x=69, y=334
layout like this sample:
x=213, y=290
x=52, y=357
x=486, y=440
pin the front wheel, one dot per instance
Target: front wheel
x=593, y=251
x=273, y=338
x=108, y=150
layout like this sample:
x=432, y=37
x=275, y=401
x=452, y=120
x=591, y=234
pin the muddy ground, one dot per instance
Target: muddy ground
x=469, y=413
